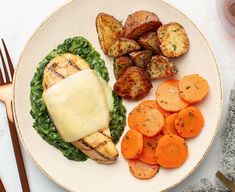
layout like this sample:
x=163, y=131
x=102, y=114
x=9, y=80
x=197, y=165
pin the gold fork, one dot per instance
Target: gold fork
x=2, y=189
x=228, y=183
x=6, y=97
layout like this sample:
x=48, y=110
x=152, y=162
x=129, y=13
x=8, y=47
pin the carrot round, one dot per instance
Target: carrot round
x=165, y=113
x=133, y=117
x=151, y=122
x=193, y=88
x=132, y=144
x=140, y=110
x=168, y=97
x=149, y=147
x=189, y=122
x=152, y=104
x=142, y=170
x=171, y=151
x=169, y=127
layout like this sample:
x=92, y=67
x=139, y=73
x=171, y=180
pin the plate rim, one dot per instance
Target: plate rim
x=57, y=9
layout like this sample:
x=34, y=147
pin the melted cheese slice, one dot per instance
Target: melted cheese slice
x=108, y=93
x=79, y=105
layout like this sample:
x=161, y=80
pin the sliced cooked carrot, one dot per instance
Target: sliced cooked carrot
x=149, y=147
x=165, y=113
x=138, y=111
x=168, y=97
x=132, y=144
x=171, y=151
x=159, y=136
x=193, y=88
x=147, y=118
x=133, y=117
x=142, y=170
x=152, y=104
x=189, y=122
x=169, y=127
x=151, y=122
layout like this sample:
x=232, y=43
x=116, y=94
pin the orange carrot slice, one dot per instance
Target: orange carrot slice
x=142, y=170
x=169, y=127
x=193, y=88
x=152, y=104
x=138, y=111
x=151, y=122
x=171, y=151
x=133, y=117
x=132, y=144
x=168, y=97
x=165, y=113
x=189, y=122
x=149, y=147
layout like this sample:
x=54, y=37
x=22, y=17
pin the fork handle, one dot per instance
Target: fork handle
x=9, y=111
x=228, y=183
x=18, y=156
x=2, y=189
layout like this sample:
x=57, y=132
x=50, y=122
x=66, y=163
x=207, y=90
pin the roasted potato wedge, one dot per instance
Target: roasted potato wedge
x=173, y=40
x=139, y=23
x=123, y=46
x=109, y=30
x=141, y=58
x=150, y=41
x=120, y=64
x=160, y=67
x=133, y=84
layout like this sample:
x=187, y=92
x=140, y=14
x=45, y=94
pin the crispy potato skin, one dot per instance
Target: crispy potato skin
x=120, y=64
x=139, y=23
x=173, y=40
x=133, y=84
x=109, y=30
x=141, y=58
x=160, y=67
x=123, y=46
x=150, y=41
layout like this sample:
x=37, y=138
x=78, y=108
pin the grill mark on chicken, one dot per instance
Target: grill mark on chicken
x=89, y=147
x=94, y=149
x=107, y=136
x=101, y=144
x=71, y=63
x=53, y=70
x=45, y=86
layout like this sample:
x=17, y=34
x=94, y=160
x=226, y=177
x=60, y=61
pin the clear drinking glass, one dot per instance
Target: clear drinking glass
x=226, y=10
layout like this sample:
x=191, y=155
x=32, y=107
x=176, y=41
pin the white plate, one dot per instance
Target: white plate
x=78, y=18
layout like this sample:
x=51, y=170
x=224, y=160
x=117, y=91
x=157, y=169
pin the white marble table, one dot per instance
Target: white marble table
x=19, y=19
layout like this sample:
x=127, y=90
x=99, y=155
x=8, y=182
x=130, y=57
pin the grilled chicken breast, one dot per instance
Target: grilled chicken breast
x=99, y=145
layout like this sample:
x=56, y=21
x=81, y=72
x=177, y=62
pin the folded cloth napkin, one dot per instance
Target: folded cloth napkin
x=228, y=153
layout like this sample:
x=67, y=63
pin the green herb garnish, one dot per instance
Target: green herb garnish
x=149, y=143
x=191, y=114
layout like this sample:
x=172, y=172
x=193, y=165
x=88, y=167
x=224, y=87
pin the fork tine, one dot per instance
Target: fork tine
x=1, y=77
x=8, y=58
x=4, y=67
